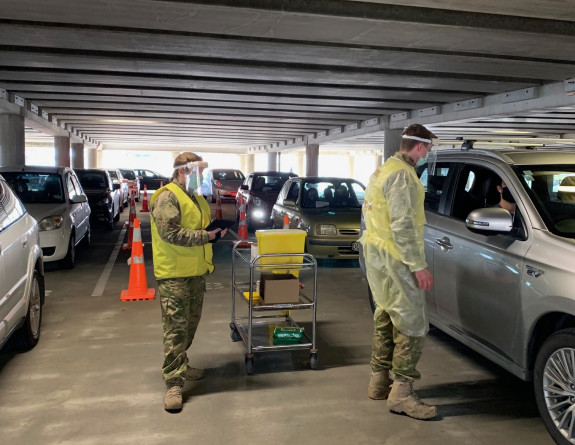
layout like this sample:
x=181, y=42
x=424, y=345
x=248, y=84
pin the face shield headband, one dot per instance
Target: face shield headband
x=431, y=158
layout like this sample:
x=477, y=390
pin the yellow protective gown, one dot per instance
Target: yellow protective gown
x=393, y=243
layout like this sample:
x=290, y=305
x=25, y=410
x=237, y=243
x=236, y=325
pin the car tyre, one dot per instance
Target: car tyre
x=28, y=335
x=69, y=260
x=554, y=385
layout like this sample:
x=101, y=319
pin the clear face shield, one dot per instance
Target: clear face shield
x=194, y=176
x=431, y=158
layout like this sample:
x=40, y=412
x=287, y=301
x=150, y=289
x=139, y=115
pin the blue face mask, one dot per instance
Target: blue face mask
x=422, y=161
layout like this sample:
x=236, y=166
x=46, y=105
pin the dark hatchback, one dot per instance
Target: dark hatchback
x=260, y=191
x=103, y=195
x=151, y=179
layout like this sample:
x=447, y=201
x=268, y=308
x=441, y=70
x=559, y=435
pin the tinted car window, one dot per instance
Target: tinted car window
x=223, y=175
x=92, y=179
x=34, y=187
x=434, y=182
x=129, y=174
x=552, y=190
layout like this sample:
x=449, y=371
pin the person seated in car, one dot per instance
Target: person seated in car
x=341, y=196
x=506, y=201
x=310, y=197
x=328, y=194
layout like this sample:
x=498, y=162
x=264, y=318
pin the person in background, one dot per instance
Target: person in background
x=182, y=255
x=397, y=273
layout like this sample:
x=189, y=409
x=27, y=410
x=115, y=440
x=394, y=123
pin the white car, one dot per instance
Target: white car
x=55, y=198
x=21, y=273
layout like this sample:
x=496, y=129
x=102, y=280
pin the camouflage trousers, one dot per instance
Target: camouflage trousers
x=393, y=350
x=181, y=300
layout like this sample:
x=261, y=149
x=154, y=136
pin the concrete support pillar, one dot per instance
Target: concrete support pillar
x=78, y=155
x=62, y=151
x=92, y=161
x=272, y=161
x=250, y=164
x=99, y=158
x=351, y=162
x=312, y=155
x=300, y=168
x=12, y=140
x=391, y=142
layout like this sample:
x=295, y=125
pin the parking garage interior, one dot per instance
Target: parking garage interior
x=264, y=85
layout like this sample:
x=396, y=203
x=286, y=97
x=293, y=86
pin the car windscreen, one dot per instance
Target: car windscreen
x=552, y=190
x=268, y=183
x=332, y=193
x=36, y=187
x=226, y=175
x=92, y=179
x=129, y=174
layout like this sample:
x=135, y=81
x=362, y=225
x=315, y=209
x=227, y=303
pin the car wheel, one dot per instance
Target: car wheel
x=70, y=259
x=28, y=335
x=554, y=382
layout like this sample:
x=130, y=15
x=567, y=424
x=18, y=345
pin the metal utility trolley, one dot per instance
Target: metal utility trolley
x=259, y=315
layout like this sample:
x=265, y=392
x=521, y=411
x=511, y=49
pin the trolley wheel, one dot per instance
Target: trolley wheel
x=234, y=334
x=250, y=365
x=313, y=360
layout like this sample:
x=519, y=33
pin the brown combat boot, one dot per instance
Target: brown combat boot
x=379, y=385
x=194, y=373
x=173, y=401
x=403, y=399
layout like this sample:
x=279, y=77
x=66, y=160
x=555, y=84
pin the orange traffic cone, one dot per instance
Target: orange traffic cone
x=219, y=207
x=145, y=202
x=130, y=222
x=137, y=288
x=242, y=227
x=161, y=184
x=286, y=222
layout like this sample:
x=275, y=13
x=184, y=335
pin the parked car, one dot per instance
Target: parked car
x=328, y=209
x=504, y=283
x=118, y=178
x=21, y=273
x=56, y=199
x=131, y=178
x=151, y=179
x=259, y=192
x=103, y=195
x=222, y=182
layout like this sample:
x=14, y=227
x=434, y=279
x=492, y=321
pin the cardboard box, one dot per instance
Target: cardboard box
x=279, y=288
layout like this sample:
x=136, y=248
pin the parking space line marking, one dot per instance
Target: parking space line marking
x=103, y=280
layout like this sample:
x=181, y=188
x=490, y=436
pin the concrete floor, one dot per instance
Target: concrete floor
x=95, y=379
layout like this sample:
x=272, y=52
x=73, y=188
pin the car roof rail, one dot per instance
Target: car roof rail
x=467, y=144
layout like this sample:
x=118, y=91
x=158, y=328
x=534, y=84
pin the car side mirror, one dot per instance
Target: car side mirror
x=244, y=187
x=492, y=219
x=79, y=199
x=289, y=203
x=117, y=186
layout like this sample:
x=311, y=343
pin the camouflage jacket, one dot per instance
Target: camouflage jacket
x=166, y=213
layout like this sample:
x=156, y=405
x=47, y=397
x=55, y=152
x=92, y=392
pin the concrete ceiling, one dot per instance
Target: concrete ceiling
x=257, y=75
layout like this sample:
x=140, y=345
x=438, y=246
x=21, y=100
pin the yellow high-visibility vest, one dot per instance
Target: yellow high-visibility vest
x=171, y=261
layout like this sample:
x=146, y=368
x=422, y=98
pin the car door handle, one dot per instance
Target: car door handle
x=25, y=242
x=444, y=243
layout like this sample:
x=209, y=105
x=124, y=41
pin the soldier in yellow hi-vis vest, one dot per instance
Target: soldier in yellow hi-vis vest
x=397, y=273
x=182, y=256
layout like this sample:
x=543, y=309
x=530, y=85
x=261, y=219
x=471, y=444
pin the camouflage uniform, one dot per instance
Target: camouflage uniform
x=181, y=299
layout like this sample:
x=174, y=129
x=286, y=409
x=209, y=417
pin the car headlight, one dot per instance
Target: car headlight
x=258, y=202
x=51, y=223
x=325, y=229
x=102, y=202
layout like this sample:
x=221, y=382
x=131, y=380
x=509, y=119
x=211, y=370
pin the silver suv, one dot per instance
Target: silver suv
x=505, y=284
x=21, y=273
